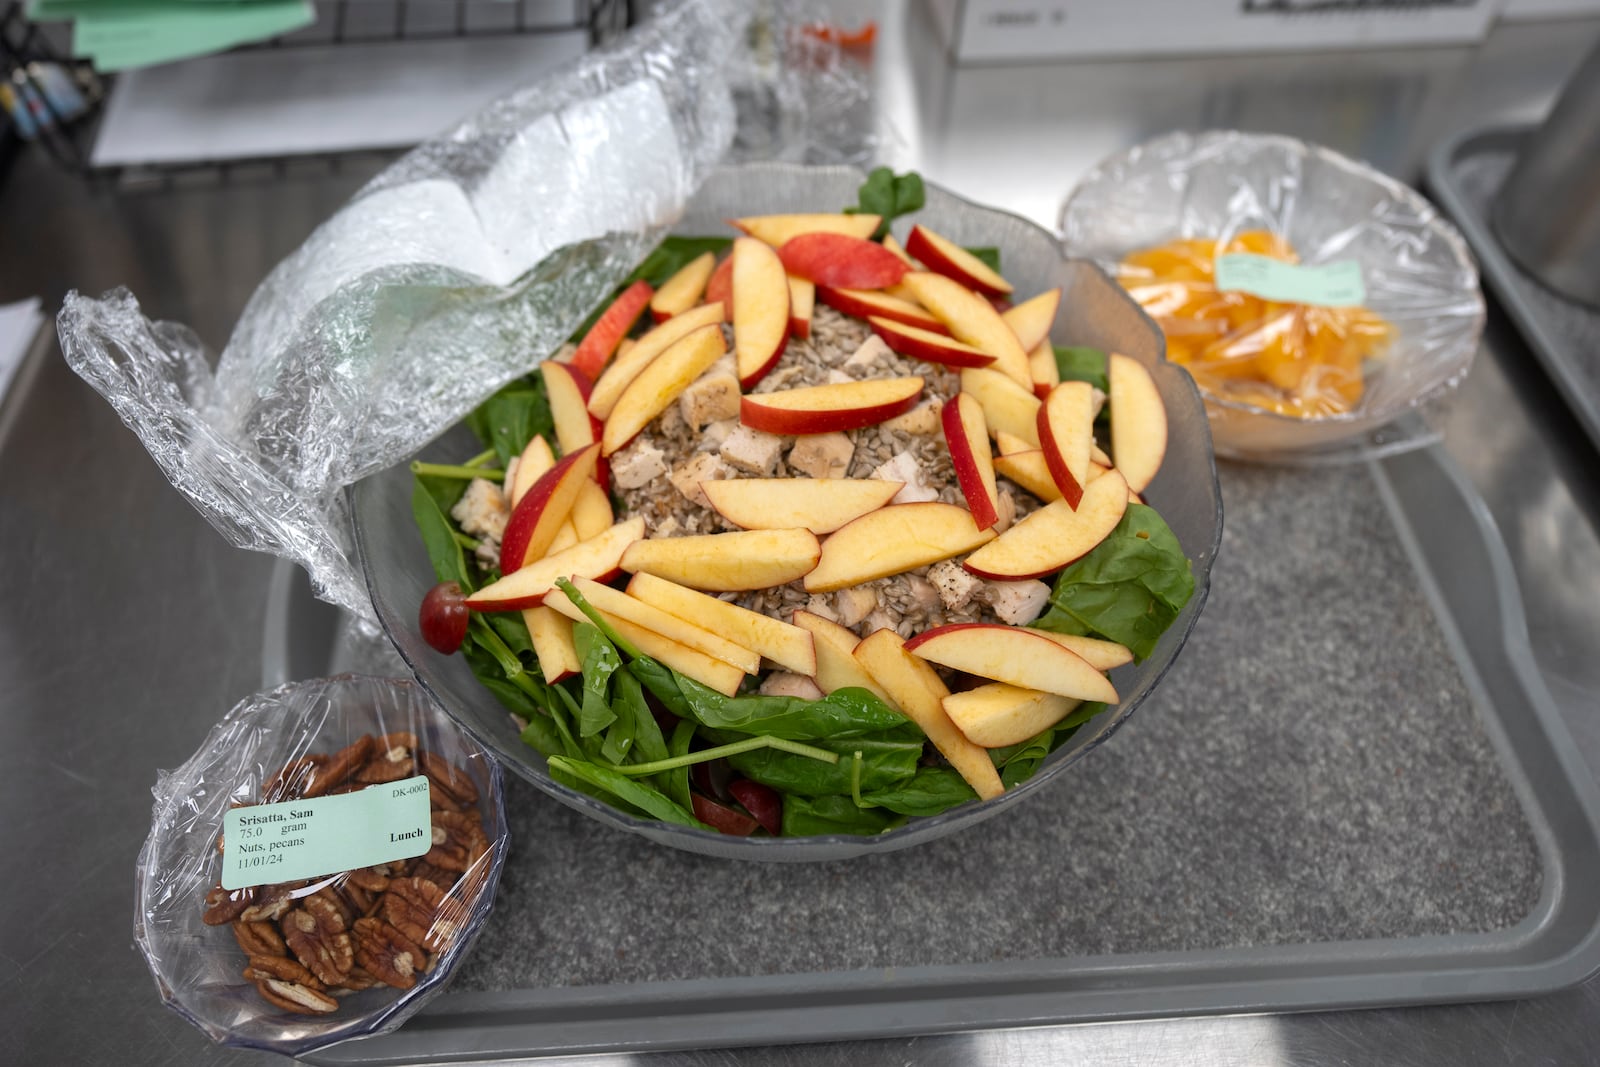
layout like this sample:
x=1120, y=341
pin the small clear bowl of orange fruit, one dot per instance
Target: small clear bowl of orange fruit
x=1325, y=310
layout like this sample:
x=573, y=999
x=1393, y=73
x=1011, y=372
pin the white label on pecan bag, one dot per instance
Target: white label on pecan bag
x=271, y=843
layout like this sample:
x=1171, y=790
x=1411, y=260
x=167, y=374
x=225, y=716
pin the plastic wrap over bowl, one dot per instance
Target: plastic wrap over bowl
x=1094, y=311
x=1418, y=273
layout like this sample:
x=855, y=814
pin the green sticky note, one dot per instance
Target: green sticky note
x=270, y=843
x=142, y=33
x=1337, y=284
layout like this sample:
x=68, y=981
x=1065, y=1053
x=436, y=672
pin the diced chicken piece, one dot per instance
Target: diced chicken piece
x=904, y=468
x=668, y=527
x=921, y=421
x=488, y=552
x=851, y=605
x=823, y=606
x=872, y=351
x=752, y=451
x=835, y=376
x=955, y=587
x=785, y=684
x=1017, y=602
x=671, y=422
x=701, y=467
x=482, y=510
x=879, y=619
x=822, y=455
x=710, y=398
x=637, y=466
x=714, y=434
x=1007, y=510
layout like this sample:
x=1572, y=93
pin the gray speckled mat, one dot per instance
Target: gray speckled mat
x=1311, y=770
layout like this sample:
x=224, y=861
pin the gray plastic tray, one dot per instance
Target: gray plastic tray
x=1353, y=790
x=1464, y=174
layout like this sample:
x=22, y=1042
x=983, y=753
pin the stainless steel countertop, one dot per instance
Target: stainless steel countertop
x=127, y=625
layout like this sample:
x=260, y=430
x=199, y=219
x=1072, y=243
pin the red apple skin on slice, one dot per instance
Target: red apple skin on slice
x=840, y=261
x=943, y=256
x=967, y=436
x=1066, y=437
x=544, y=507
x=599, y=558
x=1053, y=536
x=913, y=342
x=719, y=289
x=659, y=384
x=683, y=290
x=778, y=230
x=970, y=319
x=628, y=365
x=893, y=540
x=1138, y=421
x=610, y=328
x=1031, y=320
x=1013, y=655
x=1042, y=367
x=820, y=505
x=867, y=304
x=727, y=562
x=802, y=301
x=760, y=309
x=830, y=408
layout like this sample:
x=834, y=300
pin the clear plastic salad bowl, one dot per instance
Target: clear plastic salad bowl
x=1094, y=311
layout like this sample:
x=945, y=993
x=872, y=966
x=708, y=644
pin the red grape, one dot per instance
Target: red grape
x=443, y=618
x=722, y=818
x=761, y=801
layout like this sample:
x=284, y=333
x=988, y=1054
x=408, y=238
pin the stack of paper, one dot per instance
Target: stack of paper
x=124, y=34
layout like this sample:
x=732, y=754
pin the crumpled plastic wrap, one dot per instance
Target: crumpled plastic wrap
x=455, y=270
x=1288, y=381
x=199, y=965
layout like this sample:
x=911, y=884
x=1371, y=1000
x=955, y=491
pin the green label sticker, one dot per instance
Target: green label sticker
x=271, y=843
x=1337, y=284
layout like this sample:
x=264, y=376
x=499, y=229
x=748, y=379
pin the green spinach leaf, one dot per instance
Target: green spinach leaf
x=803, y=816
x=635, y=794
x=887, y=759
x=600, y=661
x=672, y=255
x=1079, y=363
x=888, y=195
x=842, y=714
x=438, y=535
x=511, y=418
x=989, y=255
x=677, y=786
x=928, y=792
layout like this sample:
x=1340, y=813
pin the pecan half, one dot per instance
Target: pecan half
x=372, y=879
x=331, y=897
x=259, y=939
x=429, y=873
x=339, y=766
x=271, y=902
x=444, y=777
x=399, y=739
x=358, y=979
x=458, y=840
x=290, y=782
x=412, y=906
x=389, y=765
x=281, y=968
x=387, y=954
x=224, y=905
x=291, y=996
x=317, y=937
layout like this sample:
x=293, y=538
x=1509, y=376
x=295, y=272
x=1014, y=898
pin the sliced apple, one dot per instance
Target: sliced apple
x=566, y=536
x=836, y=663
x=944, y=256
x=683, y=290
x=894, y=540
x=868, y=303
x=627, y=366
x=1014, y=655
x=760, y=309
x=1008, y=444
x=617, y=604
x=967, y=436
x=1066, y=437
x=802, y=301
x=778, y=230
x=1055, y=535
x=1101, y=655
x=895, y=246
x=916, y=690
x=1029, y=470
x=537, y=457
x=719, y=289
x=720, y=675
x=917, y=343
x=659, y=383
x=1044, y=370
x=551, y=634
x=790, y=647
x=1007, y=406
x=1138, y=421
x=1031, y=320
x=829, y=408
x=969, y=318
x=599, y=558
x=997, y=714
x=568, y=389
x=610, y=328
x=841, y=261
x=544, y=508
x=820, y=505
x=727, y=562
x=591, y=511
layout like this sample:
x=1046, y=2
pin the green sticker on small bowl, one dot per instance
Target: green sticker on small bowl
x=1336, y=284
x=270, y=843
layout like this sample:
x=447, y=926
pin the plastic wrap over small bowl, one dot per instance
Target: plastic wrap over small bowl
x=199, y=967
x=1418, y=273
x=1093, y=311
